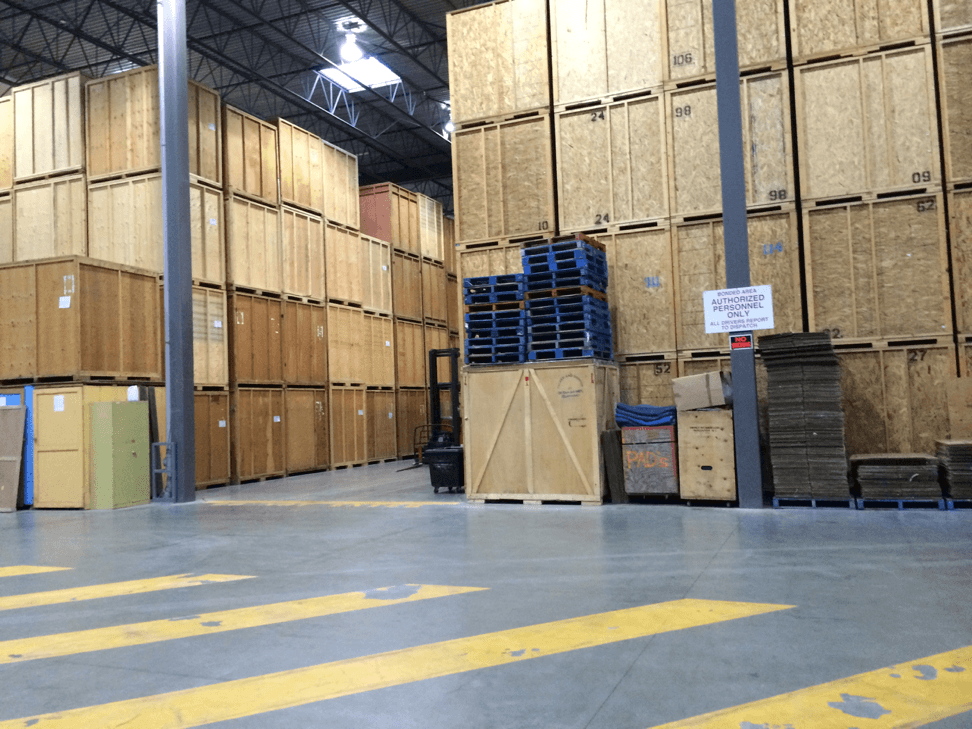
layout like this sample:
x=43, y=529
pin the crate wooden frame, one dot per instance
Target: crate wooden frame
x=304, y=344
x=956, y=108
x=254, y=257
x=347, y=345
x=255, y=339
x=392, y=213
x=435, y=298
x=308, y=429
x=302, y=253
x=341, y=204
x=410, y=354
x=960, y=228
x=946, y=21
x=210, y=336
x=250, y=165
x=348, y=425
x=258, y=434
x=407, y=289
x=412, y=411
x=49, y=218
x=212, y=437
x=48, y=127
x=6, y=143
x=6, y=228
x=381, y=414
x=301, y=164
x=646, y=379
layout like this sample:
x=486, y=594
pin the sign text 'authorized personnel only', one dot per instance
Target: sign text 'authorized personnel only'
x=738, y=310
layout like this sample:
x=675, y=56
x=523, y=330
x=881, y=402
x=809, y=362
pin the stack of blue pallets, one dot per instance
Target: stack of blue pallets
x=495, y=320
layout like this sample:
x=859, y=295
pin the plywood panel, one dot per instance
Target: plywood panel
x=706, y=455
x=347, y=344
x=454, y=305
x=340, y=186
x=378, y=364
x=960, y=210
x=955, y=59
x=449, y=244
x=376, y=275
x=412, y=413
x=6, y=228
x=250, y=156
x=302, y=246
x=304, y=344
x=301, y=167
x=436, y=338
x=210, y=345
x=50, y=219
x=6, y=142
x=867, y=124
x=430, y=229
x=407, y=287
x=258, y=433
x=212, y=438
x=831, y=26
x=410, y=354
x=349, y=426
x=256, y=348
x=648, y=381
x=494, y=261
x=952, y=15
x=308, y=431
x=434, y=297
x=344, y=264
x=253, y=250
x=49, y=127
x=382, y=425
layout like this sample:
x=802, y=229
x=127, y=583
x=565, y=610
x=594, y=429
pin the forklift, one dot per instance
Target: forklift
x=443, y=450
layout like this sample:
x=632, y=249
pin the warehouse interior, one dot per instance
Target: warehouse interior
x=666, y=409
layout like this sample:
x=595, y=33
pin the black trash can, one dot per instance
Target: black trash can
x=445, y=467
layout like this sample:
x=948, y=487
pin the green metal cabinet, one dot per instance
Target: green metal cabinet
x=119, y=454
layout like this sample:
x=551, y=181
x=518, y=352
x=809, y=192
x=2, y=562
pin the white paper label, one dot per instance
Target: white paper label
x=3, y=401
x=217, y=324
x=738, y=310
x=320, y=332
x=384, y=268
x=222, y=423
x=213, y=222
x=64, y=302
x=212, y=127
x=59, y=403
x=391, y=415
x=387, y=343
x=69, y=284
x=133, y=393
x=276, y=418
x=361, y=412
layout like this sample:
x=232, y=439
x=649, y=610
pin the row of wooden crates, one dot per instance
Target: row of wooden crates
x=865, y=126
x=501, y=64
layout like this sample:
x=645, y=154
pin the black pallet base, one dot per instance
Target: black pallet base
x=795, y=502
x=901, y=504
x=956, y=504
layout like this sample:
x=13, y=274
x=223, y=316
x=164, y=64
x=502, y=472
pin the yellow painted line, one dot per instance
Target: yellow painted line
x=112, y=589
x=120, y=636
x=908, y=695
x=373, y=504
x=260, y=694
x=27, y=569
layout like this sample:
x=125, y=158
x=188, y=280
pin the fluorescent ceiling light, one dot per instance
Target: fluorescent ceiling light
x=350, y=52
x=369, y=71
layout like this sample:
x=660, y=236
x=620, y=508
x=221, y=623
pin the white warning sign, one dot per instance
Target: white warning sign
x=738, y=310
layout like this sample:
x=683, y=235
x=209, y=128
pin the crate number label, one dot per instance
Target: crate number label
x=771, y=248
x=602, y=218
x=544, y=225
x=69, y=284
x=133, y=393
x=918, y=177
x=683, y=59
x=384, y=268
x=64, y=302
x=664, y=368
x=320, y=332
x=217, y=324
x=683, y=112
x=59, y=403
x=361, y=412
x=222, y=423
x=834, y=333
x=595, y=115
x=213, y=222
x=653, y=282
x=239, y=317
x=276, y=418
x=926, y=205
x=738, y=310
x=777, y=195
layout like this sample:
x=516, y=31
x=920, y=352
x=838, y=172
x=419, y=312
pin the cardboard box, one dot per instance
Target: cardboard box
x=710, y=389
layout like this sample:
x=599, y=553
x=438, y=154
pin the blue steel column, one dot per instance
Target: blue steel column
x=174, y=103
x=749, y=478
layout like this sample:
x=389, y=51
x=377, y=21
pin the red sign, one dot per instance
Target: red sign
x=741, y=341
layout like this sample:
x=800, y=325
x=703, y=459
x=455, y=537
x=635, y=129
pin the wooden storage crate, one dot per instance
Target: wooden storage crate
x=301, y=167
x=700, y=265
x=210, y=345
x=895, y=396
x=960, y=212
x=391, y=213
x=212, y=438
x=308, y=430
x=347, y=345
x=123, y=127
x=434, y=297
x=693, y=124
x=50, y=219
x=6, y=143
x=435, y=338
x=377, y=364
x=258, y=433
x=867, y=124
x=504, y=180
x=449, y=245
x=706, y=455
x=533, y=433
x=256, y=347
x=498, y=59
x=349, y=426
x=376, y=275
x=253, y=251
x=454, y=306
x=382, y=426
x=407, y=290
x=250, y=156
x=302, y=248
x=341, y=187
x=343, y=254
x=965, y=355
x=878, y=269
x=641, y=290
x=304, y=344
x=952, y=15
x=411, y=356
x=49, y=127
x=431, y=237
x=6, y=228
x=954, y=61
x=700, y=362
x=74, y=317
x=825, y=28
x=412, y=410
x=647, y=379
x=492, y=261
x=612, y=164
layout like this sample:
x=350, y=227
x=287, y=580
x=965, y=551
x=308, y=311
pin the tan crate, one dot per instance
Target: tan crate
x=256, y=342
x=210, y=336
x=960, y=226
x=612, y=164
x=435, y=306
x=212, y=440
x=123, y=127
x=410, y=354
x=954, y=61
x=952, y=15
x=258, y=433
x=706, y=456
x=253, y=250
x=431, y=236
x=6, y=228
x=867, y=124
x=454, y=305
x=449, y=244
x=382, y=425
x=700, y=265
x=378, y=363
x=49, y=127
x=878, y=269
x=694, y=145
x=302, y=249
x=304, y=344
x=347, y=344
x=407, y=286
x=391, y=213
x=250, y=156
x=341, y=187
x=498, y=59
x=376, y=275
x=820, y=28
x=343, y=254
x=412, y=408
x=492, y=261
x=6, y=143
x=647, y=379
x=895, y=397
x=301, y=167
x=965, y=356
x=50, y=219
x=349, y=426
x=308, y=429
x=435, y=338
x=74, y=317
x=504, y=180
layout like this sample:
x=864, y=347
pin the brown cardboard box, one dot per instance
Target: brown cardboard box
x=710, y=389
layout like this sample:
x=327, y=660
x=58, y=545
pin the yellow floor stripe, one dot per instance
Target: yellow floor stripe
x=120, y=636
x=17, y=570
x=112, y=589
x=373, y=504
x=260, y=694
x=907, y=695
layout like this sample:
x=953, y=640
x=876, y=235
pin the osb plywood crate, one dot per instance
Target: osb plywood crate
x=376, y=275
x=382, y=425
x=498, y=59
x=258, y=435
x=308, y=429
x=878, y=269
x=867, y=124
x=6, y=142
x=965, y=355
x=410, y=354
x=454, y=306
x=210, y=336
x=761, y=36
x=343, y=264
x=612, y=164
x=304, y=344
x=706, y=456
x=895, y=396
x=823, y=28
x=302, y=249
x=952, y=15
x=341, y=187
x=431, y=235
x=301, y=167
x=256, y=347
x=212, y=438
x=125, y=225
x=6, y=228
x=250, y=156
x=406, y=287
x=123, y=127
x=254, y=257
x=960, y=210
x=490, y=261
x=377, y=366
x=349, y=426
x=694, y=145
x=434, y=297
x=700, y=265
x=49, y=127
x=449, y=244
x=606, y=48
x=412, y=412
x=347, y=344
x=533, y=433
x=504, y=181
x=50, y=219
x=391, y=213
x=954, y=61
x=646, y=379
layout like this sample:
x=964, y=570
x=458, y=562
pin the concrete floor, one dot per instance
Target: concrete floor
x=870, y=589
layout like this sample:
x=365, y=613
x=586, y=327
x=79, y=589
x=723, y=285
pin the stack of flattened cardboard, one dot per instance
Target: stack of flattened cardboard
x=806, y=420
x=897, y=476
x=956, y=457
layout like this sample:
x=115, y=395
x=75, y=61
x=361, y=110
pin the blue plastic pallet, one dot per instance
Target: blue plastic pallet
x=495, y=343
x=564, y=245
x=546, y=340
x=493, y=333
x=795, y=502
x=546, y=263
x=500, y=293
x=953, y=504
x=477, y=281
x=574, y=320
x=487, y=359
x=532, y=256
x=566, y=279
x=901, y=504
x=498, y=318
x=580, y=301
x=569, y=354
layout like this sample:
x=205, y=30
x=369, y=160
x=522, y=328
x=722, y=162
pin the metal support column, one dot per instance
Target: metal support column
x=749, y=478
x=179, y=397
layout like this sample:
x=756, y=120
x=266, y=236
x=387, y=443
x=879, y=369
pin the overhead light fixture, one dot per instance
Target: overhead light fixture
x=366, y=72
x=450, y=127
x=350, y=51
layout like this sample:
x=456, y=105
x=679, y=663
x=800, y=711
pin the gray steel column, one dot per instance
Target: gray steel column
x=749, y=478
x=179, y=397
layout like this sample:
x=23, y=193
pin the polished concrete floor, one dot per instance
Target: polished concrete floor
x=868, y=589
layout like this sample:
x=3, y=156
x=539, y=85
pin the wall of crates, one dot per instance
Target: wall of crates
x=310, y=318
x=857, y=125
